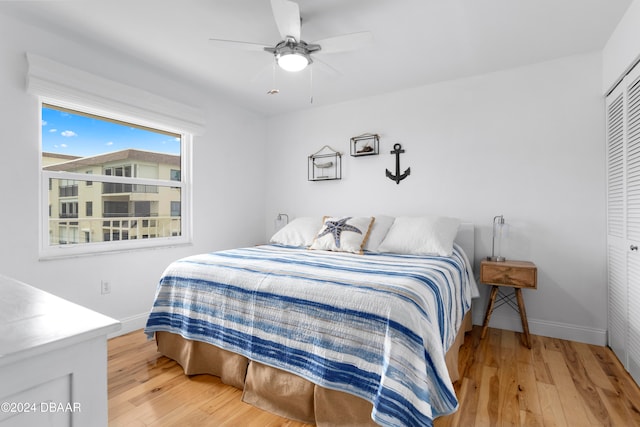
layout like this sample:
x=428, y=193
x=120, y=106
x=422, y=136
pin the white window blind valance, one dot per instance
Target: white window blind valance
x=50, y=79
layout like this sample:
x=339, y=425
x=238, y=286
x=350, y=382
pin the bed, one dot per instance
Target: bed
x=365, y=334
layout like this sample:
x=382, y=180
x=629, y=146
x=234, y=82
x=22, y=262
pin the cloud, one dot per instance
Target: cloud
x=68, y=133
x=109, y=143
x=53, y=130
x=172, y=140
x=63, y=145
x=44, y=123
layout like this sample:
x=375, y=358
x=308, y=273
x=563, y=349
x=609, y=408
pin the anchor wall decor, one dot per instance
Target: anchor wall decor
x=397, y=149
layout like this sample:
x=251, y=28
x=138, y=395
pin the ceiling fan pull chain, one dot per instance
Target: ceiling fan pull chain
x=273, y=90
x=311, y=85
x=273, y=74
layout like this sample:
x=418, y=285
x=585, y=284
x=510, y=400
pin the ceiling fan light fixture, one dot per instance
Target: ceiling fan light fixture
x=293, y=62
x=292, y=58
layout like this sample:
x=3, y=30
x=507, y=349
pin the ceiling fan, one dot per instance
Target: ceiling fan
x=292, y=53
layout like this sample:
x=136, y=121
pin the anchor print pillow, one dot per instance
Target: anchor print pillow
x=347, y=234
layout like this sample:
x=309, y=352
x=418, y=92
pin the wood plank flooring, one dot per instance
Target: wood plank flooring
x=556, y=383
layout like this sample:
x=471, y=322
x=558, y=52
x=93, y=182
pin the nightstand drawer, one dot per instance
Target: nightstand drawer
x=517, y=274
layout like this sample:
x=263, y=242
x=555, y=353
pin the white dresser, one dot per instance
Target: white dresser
x=53, y=359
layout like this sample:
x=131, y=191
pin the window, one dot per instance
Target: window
x=139, y=194
x=69, y=209
x=175, y=208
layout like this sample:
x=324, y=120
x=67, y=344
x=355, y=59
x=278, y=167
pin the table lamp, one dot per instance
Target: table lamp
x=499, y=232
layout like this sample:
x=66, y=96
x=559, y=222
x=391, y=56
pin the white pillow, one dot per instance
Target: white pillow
x=379, y=230
x=299, y=232
x=425, y=235
x=347, y=234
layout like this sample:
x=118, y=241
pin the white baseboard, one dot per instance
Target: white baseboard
x=130, y=324
x=565, y=331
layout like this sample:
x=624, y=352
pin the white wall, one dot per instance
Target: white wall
x=228, y=185
x=526, y=143
x=622, y=50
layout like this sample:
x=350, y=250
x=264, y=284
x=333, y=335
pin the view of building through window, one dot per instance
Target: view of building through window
x=109, y=180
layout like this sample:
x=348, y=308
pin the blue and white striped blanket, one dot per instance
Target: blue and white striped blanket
x=374, y=325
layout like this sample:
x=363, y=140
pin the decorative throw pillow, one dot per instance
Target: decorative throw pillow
x=425, y=235
x=378, y=232
x=299, y=232
x=347, y=234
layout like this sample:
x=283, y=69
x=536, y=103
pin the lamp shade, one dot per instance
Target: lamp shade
x=280, y=221
x=499, y=232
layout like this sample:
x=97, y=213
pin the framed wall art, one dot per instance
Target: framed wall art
x=325, y=164
x=366, y=144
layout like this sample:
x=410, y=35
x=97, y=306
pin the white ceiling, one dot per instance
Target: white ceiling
x=415, y=42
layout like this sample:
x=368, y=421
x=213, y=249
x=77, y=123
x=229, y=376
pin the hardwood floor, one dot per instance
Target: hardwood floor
x=556, y=383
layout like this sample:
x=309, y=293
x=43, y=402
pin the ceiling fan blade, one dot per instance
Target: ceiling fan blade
x=345, y=42
x=287, y=16
x=325, y=68
x=265, y=74
x=235, y=44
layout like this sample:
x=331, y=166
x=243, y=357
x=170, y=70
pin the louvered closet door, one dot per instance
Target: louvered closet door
x=623, y=221
x=616, y=236
x=633, y=222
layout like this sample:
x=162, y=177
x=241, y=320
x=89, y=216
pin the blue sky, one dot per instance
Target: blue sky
x=77, y=135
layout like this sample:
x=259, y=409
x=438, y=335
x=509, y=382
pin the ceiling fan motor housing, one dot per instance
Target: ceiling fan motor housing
x=298, y=52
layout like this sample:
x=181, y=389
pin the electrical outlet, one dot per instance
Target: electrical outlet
x=105, y=287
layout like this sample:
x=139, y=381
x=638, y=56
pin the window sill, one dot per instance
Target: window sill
x=96, y=249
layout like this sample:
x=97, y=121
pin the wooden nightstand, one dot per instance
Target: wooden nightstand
x=513, y=274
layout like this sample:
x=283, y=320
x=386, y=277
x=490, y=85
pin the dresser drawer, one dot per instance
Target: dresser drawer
x=517, y=274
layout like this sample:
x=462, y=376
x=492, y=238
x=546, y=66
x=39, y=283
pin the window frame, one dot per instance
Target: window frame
x=46, y=250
